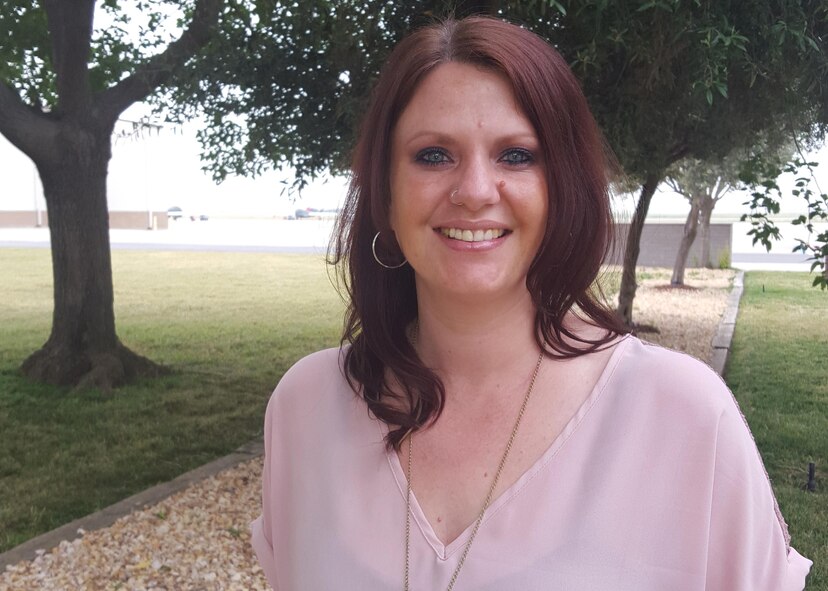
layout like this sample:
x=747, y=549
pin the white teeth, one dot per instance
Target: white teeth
x=472, y=236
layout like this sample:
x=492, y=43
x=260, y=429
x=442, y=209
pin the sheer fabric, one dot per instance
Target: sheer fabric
x=655, y=483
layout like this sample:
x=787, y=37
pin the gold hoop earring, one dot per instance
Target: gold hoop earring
x=376, y=258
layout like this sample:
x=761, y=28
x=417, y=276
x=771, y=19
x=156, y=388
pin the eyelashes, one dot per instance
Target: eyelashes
x=432, y=156
x=436, y=156
x=517, y=156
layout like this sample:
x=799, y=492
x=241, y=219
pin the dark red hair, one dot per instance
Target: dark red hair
x=382, y=303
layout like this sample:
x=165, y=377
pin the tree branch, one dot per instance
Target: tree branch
x=160, y=68
x=676, y=187
x=70, y=31
x=721, y=189
x=26, y=127
x=677, y=152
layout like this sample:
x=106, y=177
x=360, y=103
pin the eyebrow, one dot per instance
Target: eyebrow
x=441, y=137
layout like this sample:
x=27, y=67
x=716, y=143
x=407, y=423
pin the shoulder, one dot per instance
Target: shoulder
x=316, y=368
x=661, y=363
x=669, y=380
x=311, y=384
x=314, y=404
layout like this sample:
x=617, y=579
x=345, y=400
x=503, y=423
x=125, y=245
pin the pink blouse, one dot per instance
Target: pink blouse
x=654, y=484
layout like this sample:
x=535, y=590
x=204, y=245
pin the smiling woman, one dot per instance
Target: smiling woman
x=487, y=420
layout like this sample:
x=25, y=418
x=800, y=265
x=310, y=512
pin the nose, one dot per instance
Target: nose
x=478, y=184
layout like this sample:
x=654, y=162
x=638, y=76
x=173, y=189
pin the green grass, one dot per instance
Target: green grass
x=778, y=371
x=228, y=324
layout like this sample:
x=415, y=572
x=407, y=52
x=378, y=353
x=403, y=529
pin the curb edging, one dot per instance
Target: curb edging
x=107, y=516
x=723, y=339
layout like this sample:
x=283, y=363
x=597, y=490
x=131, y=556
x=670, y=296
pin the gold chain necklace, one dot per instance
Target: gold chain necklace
x=488, y=496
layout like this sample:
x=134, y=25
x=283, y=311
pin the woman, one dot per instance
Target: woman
x=488, y=423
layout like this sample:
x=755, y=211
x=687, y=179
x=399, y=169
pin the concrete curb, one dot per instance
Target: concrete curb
x=109, y=515
x=727, y=324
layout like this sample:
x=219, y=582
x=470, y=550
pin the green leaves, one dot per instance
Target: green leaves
x=126, y=34
x=25, y=63
x=761, y=176
x=286, y=82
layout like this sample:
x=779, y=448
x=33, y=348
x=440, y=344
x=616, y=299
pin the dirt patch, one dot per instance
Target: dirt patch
x=686, y=318
x=672, y=287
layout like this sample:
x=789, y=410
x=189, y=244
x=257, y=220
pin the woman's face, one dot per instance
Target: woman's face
x=468, y=185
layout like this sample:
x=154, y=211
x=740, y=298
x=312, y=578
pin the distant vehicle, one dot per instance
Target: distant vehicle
x=313, y=212
x=176, y=213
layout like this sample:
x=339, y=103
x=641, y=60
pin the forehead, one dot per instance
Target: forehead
x=457, y=95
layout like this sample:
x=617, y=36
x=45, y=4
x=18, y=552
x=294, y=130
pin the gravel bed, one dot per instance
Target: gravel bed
x=686, y=318
x=199, y=539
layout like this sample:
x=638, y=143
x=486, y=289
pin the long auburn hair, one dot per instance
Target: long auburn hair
x=382, y=303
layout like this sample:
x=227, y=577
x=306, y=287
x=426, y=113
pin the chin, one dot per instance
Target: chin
x=481, y=288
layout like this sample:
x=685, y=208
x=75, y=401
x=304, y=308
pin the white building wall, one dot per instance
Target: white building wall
x=20, y=188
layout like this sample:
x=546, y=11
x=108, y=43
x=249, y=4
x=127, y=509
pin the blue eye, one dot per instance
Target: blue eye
x=517, y=156
x=432, y=156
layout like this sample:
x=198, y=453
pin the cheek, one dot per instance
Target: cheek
x=396, y=212
x=395, y=184
x=392, y=219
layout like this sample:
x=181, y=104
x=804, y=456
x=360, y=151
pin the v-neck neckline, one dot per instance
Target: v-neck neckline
x=445, y=551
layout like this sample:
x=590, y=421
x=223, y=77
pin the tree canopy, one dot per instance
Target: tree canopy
x=288, y=80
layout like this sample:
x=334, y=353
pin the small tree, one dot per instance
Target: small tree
x=702, y=185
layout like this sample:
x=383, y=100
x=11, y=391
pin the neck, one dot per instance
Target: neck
x=465, y=340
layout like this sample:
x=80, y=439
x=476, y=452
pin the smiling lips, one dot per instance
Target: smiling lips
x=472, y=235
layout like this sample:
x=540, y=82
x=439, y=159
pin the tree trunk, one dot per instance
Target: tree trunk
x=83, y=348
x=626, y=293
x=707, y=206
x=687, y=240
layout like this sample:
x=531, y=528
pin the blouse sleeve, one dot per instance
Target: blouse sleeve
x=749, y=547
x=260, y=528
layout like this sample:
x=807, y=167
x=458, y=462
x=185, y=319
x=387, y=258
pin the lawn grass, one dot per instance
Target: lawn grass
x=228, y=324
x=778, y=371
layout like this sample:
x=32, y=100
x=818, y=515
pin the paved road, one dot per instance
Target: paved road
x=294, y=236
